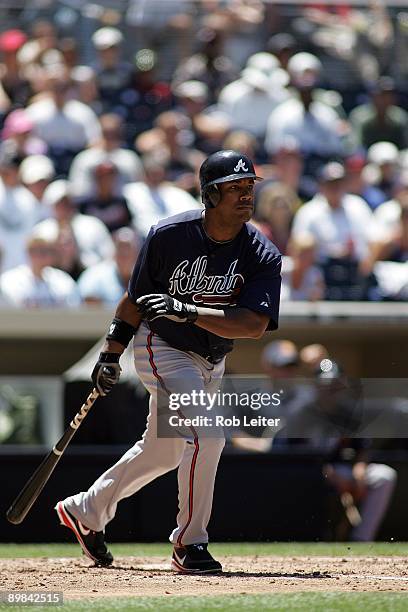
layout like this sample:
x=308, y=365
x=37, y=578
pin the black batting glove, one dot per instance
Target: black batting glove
x=157, y=305
x=106, y=372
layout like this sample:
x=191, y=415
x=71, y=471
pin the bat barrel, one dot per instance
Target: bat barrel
x=33, y=487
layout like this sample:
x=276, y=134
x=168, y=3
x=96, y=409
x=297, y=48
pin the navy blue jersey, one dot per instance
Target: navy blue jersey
x=179, y=259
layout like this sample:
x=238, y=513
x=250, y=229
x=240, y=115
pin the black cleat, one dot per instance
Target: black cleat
x=92, y=542
x=194, y=559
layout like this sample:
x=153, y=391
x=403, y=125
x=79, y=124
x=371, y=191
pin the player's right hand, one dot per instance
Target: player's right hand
x=106, y=372
x=155, y=305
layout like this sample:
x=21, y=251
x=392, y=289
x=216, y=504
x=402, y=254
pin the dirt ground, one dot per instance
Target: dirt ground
x=130, y=576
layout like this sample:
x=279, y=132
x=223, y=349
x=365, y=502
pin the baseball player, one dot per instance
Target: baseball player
x=203, y=278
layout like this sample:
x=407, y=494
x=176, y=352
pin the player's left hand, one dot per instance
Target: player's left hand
x=155, y=305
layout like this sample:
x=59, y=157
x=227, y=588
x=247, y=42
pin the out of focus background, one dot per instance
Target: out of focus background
x=107, y=110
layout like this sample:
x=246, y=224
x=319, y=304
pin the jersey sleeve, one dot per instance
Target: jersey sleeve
x=145, y=274
x=261, y=292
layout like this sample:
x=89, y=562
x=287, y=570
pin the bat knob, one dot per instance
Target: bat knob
x=16, y=520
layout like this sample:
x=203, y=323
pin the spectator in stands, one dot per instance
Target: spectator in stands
x=211, y=129
x=357, y=183
x=339, y=221
x=210, y=64
x=67, y=255
x=382, y=171
x=301, y=278
x=344, y=229
x=67, y=126
x=176, y=134
x=286, y=166
x=155, y=198
x=316, y=126
x=191, y=98
x=91, y=235
x=36, y=173
x=380, y=119
x=176, y=127
x=242, y=141
x=107, y=204
x=18, y=127
x=148, y=96
x=15, y=87
x=391, y=269
x=110, y=149
x=113, y=74
x=164, y=25
x=18, y=208
x=84, y=87
x=69, y=48
x=38, y=284
x=283, y=46
x=275, y=210
x=105, y=282
x=249, y=101
x=243, y=22
x=388, y=215
x=44, y=37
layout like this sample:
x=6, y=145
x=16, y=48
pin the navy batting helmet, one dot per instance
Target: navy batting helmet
x=222, y=167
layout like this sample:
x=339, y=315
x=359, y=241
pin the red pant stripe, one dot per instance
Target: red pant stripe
x=191, y=489
x=196, y=443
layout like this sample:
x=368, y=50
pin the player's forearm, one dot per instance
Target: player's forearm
x=234, y=323
x=128, y=312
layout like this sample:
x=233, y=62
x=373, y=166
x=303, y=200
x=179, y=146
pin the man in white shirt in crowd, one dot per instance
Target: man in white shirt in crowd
x=37, y=284
x=67, y=126
x=110, y=148
x=155, y=198
x=91, y=235
x=249, y=101
x=341, y=223
x=105, y=282
x=18, y=209
x=315, y=125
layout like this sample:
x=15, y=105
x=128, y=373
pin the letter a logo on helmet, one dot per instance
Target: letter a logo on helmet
x=240, y=166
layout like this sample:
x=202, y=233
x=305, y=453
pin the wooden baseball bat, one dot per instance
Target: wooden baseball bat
x=33, y=487
x=350, y=508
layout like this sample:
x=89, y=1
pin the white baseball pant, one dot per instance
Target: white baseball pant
x=195, y=456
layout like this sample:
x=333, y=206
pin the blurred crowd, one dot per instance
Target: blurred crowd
x=103, y=135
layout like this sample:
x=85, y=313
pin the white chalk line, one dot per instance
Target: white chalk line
x=371, y=577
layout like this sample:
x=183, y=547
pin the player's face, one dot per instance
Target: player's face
x=237, y=199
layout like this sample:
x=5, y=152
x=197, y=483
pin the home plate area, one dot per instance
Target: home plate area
x=133, y=576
